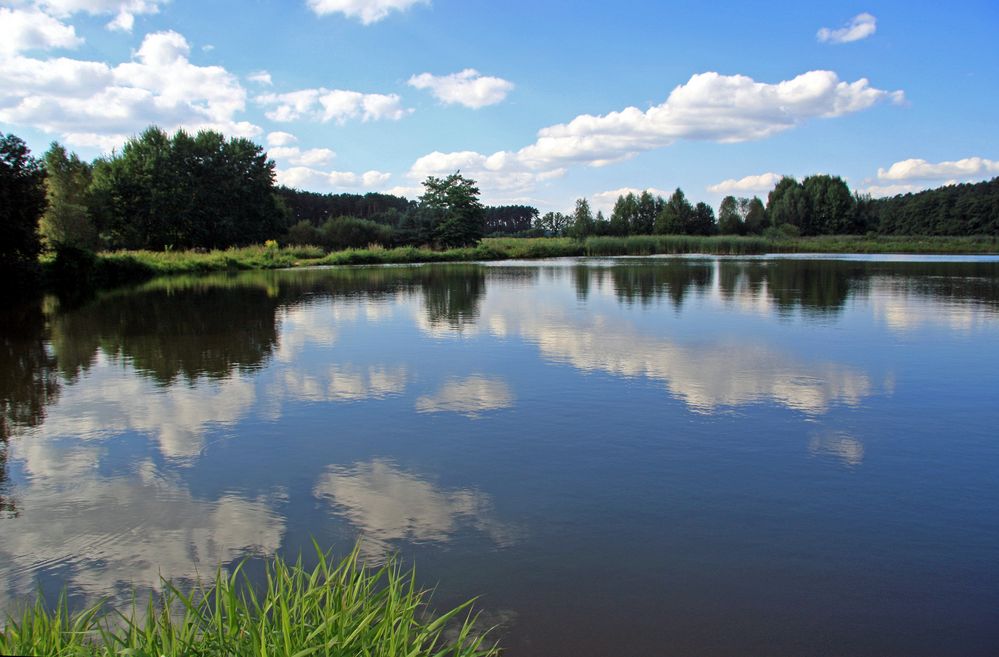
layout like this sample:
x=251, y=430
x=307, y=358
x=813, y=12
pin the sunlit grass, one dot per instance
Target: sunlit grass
x=337, y=608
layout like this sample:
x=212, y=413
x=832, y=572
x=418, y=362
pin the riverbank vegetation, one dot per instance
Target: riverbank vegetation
x=191, y=203
x=337, y=608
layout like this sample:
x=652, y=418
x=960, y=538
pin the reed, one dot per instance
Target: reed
x=337, y=608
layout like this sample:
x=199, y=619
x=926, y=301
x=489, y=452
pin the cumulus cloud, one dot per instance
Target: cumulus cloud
x=881, y=191
x=468, y=88
x=337, y=105
x=305, y=177
x=33, y=30
x=280, y=138
x=366, y=11
x=91, y=103
x=260, y=77
x=860, y=27
x=708, y=107
x=761, y=183
x=918, y=169
x=312, y=157
x=124, y=11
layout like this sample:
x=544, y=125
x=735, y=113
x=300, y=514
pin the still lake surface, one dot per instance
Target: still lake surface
x=636, y=456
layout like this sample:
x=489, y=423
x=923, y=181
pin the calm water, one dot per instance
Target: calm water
x=624, y=457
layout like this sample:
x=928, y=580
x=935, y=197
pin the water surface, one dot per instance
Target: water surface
x=636, y=456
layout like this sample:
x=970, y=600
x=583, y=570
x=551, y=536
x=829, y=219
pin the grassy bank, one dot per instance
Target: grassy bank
x=338, y=608
x=117, y=267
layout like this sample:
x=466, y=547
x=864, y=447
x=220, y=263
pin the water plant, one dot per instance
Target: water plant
x=337, y=608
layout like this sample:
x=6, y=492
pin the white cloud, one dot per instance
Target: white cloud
x=260, y=77
x=33, y=30
x=97, y=103
x=367, y=11
x=762, y=183
x=304, y=177
x=860, y=27
x=709, y=107
x=332, y=105
x=280, y=138
x=918, y=169
x=312, y=157
x=468, y=88
x=124, y=11
x=881, y=191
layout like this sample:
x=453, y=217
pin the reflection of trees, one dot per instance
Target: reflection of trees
x=646, y=283
x=197, y=331
x=817, y=286
x=28, y=380
x=452, y=294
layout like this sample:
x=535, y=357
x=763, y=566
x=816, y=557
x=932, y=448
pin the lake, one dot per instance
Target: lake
x=634, y=456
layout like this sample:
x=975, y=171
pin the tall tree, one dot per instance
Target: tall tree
x=200, y=191
x=730, y=218
x=754, y=215
x=583, y=224
x=67, y=222
x=454, y=203
x=675, y=216
x=702, y=220
x=624, y=215
x=645, y=216
x=22, y=202
x=831, y=207
x=787, y=203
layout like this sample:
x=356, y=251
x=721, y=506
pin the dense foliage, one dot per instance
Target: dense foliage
x=203, y=191
x=968, y=209
x=22, y=202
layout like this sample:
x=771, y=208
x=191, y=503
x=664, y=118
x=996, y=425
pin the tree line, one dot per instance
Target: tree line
x=206, y=191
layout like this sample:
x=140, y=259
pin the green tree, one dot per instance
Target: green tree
x=787, y=203
x=702, y=220
x=754, y=215
x=675, y=216
x=730, y=220
x=66, y=222
x=454, y=204
x=624, y=215
x=555, y=224
x=583, y=224
x=201, y=191
x=645, y=217
x=831, y=206
x=22, y=202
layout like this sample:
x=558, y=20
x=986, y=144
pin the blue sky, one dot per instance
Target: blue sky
x=541, y=102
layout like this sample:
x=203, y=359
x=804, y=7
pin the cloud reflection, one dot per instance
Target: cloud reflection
x=471, y=396
x=387, y=504
x=108, y=534
x=110, y=400
x=704, y=375
x=842, y=446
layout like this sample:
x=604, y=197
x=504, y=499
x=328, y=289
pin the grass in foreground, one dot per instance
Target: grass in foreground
x=338, y=608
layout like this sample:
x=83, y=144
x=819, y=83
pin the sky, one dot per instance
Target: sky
x=540, y=102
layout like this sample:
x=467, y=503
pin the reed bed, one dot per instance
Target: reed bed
x=339, y=608
x=640, y=245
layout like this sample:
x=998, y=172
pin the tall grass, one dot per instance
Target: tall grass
x=675, y=245
x=338, y=608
